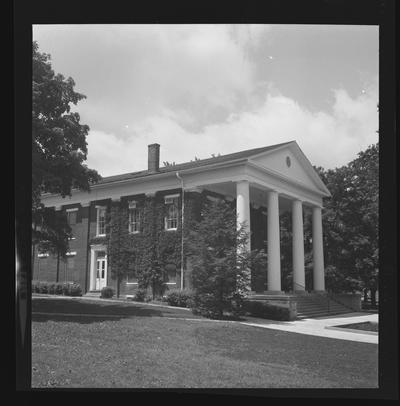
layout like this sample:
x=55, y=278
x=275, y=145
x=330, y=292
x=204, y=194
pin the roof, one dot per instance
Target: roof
x=192, y=164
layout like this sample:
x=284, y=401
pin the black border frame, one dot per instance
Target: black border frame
x=355, y=12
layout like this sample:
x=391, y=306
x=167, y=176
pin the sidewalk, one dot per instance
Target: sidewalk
x=323, y=326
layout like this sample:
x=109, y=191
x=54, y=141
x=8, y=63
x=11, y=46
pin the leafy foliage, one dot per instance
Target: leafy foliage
x=268, y=311
x=179, y=298
x=59, y=145
x=351, y=223
x=107, y=292
x=221, y=264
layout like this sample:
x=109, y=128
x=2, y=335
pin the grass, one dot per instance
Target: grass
x=366, y=326
x=132, y=345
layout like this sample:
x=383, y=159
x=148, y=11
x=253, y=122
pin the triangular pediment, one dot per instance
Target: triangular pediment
x=290, y=162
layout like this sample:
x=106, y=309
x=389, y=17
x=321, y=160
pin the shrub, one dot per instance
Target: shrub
x=179, y=298
x=267, y=310
x=107, y=292
x=43, y=287
x=51, y=288
x=74, y=289
x=57, y=288
x=140, y=295
x=35, y=286
x=65, y=289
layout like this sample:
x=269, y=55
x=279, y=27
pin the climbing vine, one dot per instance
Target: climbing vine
x=148, y=254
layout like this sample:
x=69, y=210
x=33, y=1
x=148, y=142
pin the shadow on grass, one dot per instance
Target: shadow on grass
x=81, y=311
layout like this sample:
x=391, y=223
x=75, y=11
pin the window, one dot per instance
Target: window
x=71, y=216
x=71, y=219
x=101, y=221
x=171, y=219
x=170, y=274
x=131, y=279
x=134, y=218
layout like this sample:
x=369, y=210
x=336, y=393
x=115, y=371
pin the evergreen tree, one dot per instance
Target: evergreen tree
x=220, y=262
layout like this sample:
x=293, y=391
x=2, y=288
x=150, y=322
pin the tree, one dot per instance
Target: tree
x=59, y=147
x=221, y=265
x=351, y=221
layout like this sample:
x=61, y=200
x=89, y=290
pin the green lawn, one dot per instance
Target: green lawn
x=366, y=326
x=142, y=346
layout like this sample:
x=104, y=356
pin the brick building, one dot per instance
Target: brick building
x=151, y=205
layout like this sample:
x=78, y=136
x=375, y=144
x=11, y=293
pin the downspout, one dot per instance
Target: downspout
x=182, y=219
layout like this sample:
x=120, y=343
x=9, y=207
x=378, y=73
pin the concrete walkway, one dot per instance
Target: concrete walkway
x=323, y=326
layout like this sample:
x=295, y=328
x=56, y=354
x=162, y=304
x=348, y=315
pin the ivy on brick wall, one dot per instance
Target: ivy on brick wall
x=147, y=254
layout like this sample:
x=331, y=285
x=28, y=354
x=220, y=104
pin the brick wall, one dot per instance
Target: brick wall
x=77, y=267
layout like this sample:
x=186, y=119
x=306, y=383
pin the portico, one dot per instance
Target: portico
x=272, y=202
x=282, y=180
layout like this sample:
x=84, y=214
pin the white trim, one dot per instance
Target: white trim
x=43, y=255
x=73, y=209
x=93, y=263
x=172, y=196
x=132, y=204
x=98, y=208
x=132, y=283
x=71, y=254
x=170, y=283
x=71, y=238
x=304, y=161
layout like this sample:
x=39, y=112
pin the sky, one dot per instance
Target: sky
x=199, y=90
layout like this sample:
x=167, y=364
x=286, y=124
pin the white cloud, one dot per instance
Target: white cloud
x=328, y=140
x=136, y=71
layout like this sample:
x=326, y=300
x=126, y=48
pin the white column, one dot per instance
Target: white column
x=274, y=251
x=318, y=250
x=243, y=206
x=298, y=246
x=92, y=276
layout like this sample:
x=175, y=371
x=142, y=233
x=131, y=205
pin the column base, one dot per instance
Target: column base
x=320, y=292
x=300, y=292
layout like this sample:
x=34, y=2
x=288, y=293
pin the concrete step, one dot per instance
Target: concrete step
x=309, y=306
x=93, y=293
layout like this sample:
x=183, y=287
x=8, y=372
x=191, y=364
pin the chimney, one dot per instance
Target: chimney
x=153, y=157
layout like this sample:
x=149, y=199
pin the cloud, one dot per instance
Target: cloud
x=136, y=71
x=328, y=139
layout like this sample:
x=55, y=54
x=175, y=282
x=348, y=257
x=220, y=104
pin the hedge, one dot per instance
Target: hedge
x=268, y=311
x=179, y=298
x=57, y=288
x=106, y=292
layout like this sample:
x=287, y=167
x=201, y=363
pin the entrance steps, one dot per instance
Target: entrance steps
x=308, y=305
x=318, y=305
x=92, y=293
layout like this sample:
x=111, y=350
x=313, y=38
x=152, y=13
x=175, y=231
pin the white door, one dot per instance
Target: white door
x=101, y=270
